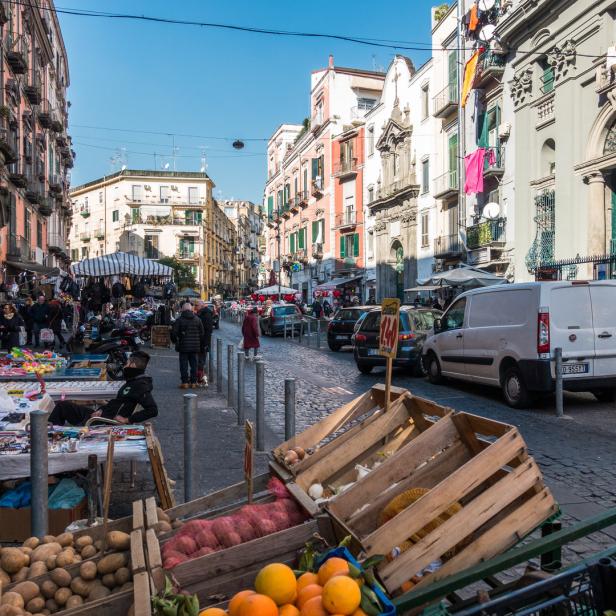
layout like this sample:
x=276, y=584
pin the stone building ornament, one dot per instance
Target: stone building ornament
x=521, y=86
x=610, y=140
x=380, y=225
x=409, y=217
x=562, y=59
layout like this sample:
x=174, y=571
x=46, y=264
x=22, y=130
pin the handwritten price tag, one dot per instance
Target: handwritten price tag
x=388, y=333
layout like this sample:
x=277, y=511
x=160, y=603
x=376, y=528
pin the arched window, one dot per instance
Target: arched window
x=548, y=157
x=609, y=146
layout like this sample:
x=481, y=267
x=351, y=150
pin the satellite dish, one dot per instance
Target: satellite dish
x=166, y=166
x=487, y=33
x=486, y=5
x=123, y=167
x=491, y=210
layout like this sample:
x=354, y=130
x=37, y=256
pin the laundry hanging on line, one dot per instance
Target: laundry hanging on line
x=473, y=166
x=470, y=69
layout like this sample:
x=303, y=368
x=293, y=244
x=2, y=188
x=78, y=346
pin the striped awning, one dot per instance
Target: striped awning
x=121, y=263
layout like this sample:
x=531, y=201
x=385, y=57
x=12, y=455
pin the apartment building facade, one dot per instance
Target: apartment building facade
x=221, y=245
x=35, y=149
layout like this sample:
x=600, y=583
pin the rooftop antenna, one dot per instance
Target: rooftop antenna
x=374, y=66
x=203, y=160
x=174, y=150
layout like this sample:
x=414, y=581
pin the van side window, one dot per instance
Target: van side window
x=454, y=317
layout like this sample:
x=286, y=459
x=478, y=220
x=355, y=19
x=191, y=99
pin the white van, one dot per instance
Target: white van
x=506, y=335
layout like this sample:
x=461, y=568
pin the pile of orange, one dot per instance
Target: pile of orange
x=329, y=592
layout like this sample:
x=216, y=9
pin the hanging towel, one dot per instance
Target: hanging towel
x=474, y=18
x=491, y=157
x=469, y=75
x=473, y=165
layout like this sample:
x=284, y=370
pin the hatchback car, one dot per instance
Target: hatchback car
x=340, y=328
x=414, y=325
x=273, y=319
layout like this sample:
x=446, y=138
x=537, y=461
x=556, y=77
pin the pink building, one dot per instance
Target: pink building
x=304, y=179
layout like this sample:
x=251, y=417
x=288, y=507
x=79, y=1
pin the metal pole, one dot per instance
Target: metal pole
x=92, y=487
x=230, y=351
x=284, y=325
x=241, y=417
x=309, y=332
x=289, y=409
x=190, y=436
x=38, y=472
x=219, y=365
x=260, y=410
x=558, y=355
x=210, y=365
x=319, y=334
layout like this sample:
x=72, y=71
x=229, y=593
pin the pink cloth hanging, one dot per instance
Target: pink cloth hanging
x=473, y=165
x=491, y=157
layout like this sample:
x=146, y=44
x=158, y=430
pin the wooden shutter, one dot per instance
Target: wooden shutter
x=270, y=206
x=306, y=182
x=315, y=168
x=342, y=246
x=482, y=130
x=302, y=239
x=356, y=245
x=453, y=152
x=292, y=243
x=315, y=230
x=452, y=61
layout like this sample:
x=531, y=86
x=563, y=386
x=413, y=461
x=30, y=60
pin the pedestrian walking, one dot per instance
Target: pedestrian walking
x=25, y=311
x=206, y=317
x=250, y=333
x=188, y=335
x=327, y=309
x=10, y=325
x=40, y=318
x=55, y=324
x=317, y=309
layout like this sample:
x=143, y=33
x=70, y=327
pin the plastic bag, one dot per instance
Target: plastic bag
x=23, y=336
x=240, y=346
x=66, y=495
x=46, y=335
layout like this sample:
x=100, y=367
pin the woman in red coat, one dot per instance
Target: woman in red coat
x=250, y=332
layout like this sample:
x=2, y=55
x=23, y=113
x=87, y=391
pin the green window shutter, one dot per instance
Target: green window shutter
x=315, y=230
x=356, y=245
x=342, y=246
x=322, y=165
x=302, y=242
x=483, y=131
x=270, y=206
x=279, y=200
x=292, y=243
x=453, y=152
x=306, y=181
x=452, y=62
x=315, y=168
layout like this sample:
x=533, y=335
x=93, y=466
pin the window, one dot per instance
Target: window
x=193, y=218
x=301, y=239
x=452, y=145
x=137, y=193
x=425, y=90
x=372, y=322
x=187, y=247
x=364, y=103
x=75, y=254
x=76, y=229
x=84, y=252
x=193, y=195
x=370, y=244
x=295, y=186
x=425, y=176
x=370, y=194
x=318, y=112
x=135, y=215
x=306, y=183
x=287, y=194
x=100, y=196
x=151, y=246
x=318, y=166
x=270, y=207
x=164, y=194
x=292, y=242
x=318, y=231
x=115, y=216
x=27, y=225
x=454, y=317
x=425, y=234
x=452, y=82
x=546, y=75
x=39, y=233
x=349, y=245
x=370, y=140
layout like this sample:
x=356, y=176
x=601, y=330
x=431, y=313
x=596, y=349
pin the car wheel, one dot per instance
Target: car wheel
x=364, y=368
x=417, y=368
x=515, y=391
x=434, y=369
x=605, y=395
x=334, y=347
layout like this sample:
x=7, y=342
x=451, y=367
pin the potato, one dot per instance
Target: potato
x=77, y=558
x=108, y=580
x=82, y=587
x=35, y=605
x=28, y=590
x=98, y=592
x=87, y=570
x=21, y=575
x=65, y=558
x=12, y=598
x=62, y=595
x=176, y=524
x=61, y=577
x=26, y=551
x=50, y=563
x=88, y=552
x=49, y=539
x=45, y=612
x=5, y=579
x=74, y=601
x=65, y=539
x=10, y=610
x=48, y=589
x=36, y=569
x=117, y=540
x=98, y=544
x=51, y=605
x=162, y=516
x=122, y=575
x=13, y=559
x=111, y=563
x=43, y=552
x=162, y=527
x=127, y=586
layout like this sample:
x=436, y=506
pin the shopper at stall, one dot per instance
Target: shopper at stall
x=133, y=404
x=188, y=335
x=40, y=318
x=250, y=333
x=25, y=311
x=10, y=324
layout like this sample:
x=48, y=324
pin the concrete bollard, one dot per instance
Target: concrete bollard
x=241, y=413
x=39, y=461
x=190, y=436
x=260, y=405
x=289, y=409
x=230, y=352
x=219, y=365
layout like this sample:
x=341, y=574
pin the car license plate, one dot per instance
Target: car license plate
x=342, y=337
x=575, y=368
x=373, y=351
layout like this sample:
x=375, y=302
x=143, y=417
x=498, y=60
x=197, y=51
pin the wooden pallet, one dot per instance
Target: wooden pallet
x=159, y=472
x=160, y=336
x=498, y=485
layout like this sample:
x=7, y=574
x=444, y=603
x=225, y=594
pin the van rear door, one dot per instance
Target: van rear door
x=571, y=329
x=603, y=298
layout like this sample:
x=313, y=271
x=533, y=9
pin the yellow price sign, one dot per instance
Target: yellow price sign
x=388, y=331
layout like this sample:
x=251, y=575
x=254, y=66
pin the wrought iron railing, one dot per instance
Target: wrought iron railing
x=486, y=233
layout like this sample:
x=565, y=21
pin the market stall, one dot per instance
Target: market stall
x=121, y=264
x=65, y=390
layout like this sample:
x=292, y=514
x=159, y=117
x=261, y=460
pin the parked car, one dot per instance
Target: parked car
x=272, y=320
x=340, y=328
x=413, y=327
x=216, y=319
x=506, y=335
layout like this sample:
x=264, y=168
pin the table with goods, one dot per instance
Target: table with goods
x=28, y=365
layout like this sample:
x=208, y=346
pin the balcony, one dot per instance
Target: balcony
x=8, y=145
x=99, y=233
x=446, y=185
x=85, y=236
x=486, y=233
x=84, y=212
x=17, y=54
x=18, y=248
x=61, y=139
x=545, y=110
x=33, y=90
x=301, y=255
x=55, y=242
x=303, y=197
x=39, y=169
x=447, y=246
x=490, y=66
x=345, y=168
x=347, y=219
x=45, y=207
x=44, y=114
x=56, y=121
x=294, y=203
x=446, y=101
x=285, y=211
x=317, y=188
x=186, y=255
x=17, y=174
x=317, y=250
x=494, y=165
x=35, y=188
x=55, y=183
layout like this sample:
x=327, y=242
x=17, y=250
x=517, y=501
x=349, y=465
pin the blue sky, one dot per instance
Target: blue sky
x=211, y=83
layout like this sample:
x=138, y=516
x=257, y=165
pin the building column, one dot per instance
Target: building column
x=597, y=214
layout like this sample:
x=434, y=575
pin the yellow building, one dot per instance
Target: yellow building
x=220, y=254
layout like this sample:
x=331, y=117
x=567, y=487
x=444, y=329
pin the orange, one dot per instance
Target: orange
x=331, y=567
x=359, y=612
x=313, y=607
x=278, y=582
x=305, y=579
x=258, y=605
x=307, y=593
x=236, y=601
x=288, y=610
x=213, y=611
x=341, y=595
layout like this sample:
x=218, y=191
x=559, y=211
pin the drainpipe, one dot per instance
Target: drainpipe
x=461, y=123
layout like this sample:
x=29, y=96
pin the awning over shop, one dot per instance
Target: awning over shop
x=188, y=292
x=427, y=287
x=463, y=276
x=121, y=263
x=275, y=290
x=335, y=283
x=33, y=267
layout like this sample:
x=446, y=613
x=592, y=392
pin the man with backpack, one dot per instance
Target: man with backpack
x=188, y=335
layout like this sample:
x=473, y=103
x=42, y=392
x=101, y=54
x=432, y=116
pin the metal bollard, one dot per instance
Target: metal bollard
x=558, y=368
x=210, y=365
x=219, y=365
x=241, y=415
x=284, y=325
x=289, y=409
x=230, y=352
x=39, y=472
x=309, y=335
x=319, y=334
x=190, y=436
x=260, y=406
x=300, y=335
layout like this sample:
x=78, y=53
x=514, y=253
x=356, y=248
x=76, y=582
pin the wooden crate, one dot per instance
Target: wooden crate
x=160, y=336
x=482, y=465
x=360, y=432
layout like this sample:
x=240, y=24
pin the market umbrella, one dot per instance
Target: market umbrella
x=275, y=290
x=121, y=263
x=188, y=292
x=463, y=276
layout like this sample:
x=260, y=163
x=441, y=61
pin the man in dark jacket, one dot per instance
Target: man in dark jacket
x=133, y=404
x=188, y=335
x=40, y=314
x=206, y=316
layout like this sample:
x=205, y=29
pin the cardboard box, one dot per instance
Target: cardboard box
x=15, y=523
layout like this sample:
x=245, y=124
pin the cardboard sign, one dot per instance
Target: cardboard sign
x=388, y=332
